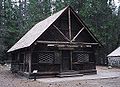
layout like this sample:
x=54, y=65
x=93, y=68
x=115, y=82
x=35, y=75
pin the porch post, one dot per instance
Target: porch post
x=29, y=62
x=71, y=60
x=18, y=60
x=61, y=61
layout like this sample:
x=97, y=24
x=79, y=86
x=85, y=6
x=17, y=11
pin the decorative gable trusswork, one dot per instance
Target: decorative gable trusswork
x=64, y=25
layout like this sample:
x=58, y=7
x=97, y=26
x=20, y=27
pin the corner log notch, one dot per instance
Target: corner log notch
x=61, y=45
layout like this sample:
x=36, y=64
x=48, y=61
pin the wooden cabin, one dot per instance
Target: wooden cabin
x=59, y=45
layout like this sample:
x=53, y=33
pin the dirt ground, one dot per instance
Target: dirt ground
x=8, y=79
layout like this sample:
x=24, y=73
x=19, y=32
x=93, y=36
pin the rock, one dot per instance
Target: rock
x=109, y=67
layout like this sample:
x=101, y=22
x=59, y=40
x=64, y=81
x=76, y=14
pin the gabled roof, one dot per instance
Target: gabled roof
x=35, y=32
x=116, y=52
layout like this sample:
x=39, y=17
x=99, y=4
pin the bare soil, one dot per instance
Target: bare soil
x=8, y=79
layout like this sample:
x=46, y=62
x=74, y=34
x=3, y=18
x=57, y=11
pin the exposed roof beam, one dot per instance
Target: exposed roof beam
x=60, y=42
x=61, y=32
x=84, y=25
x=53, y=42
x=86, y=43
x=77, y=34
x=69, y=21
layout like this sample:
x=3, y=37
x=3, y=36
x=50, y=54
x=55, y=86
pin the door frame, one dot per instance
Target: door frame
x=70, y=60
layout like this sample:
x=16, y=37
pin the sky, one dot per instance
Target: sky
x=117, y=2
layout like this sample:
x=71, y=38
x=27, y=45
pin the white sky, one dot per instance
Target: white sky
x=117, y=2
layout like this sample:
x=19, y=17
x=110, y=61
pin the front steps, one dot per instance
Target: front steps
x=69, y=74
x=76, y=73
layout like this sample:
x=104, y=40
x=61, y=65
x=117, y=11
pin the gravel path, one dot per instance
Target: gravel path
x=8, y=79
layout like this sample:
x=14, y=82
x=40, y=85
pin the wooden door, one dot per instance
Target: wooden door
x=66, y=60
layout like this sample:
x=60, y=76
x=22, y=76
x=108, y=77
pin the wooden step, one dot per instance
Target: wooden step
x=69, y=75
x=69, y=72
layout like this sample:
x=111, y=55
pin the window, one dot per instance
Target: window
x=80, y=57
x=46, y=57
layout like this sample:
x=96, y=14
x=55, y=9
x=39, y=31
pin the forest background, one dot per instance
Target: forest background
x=101, y=16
